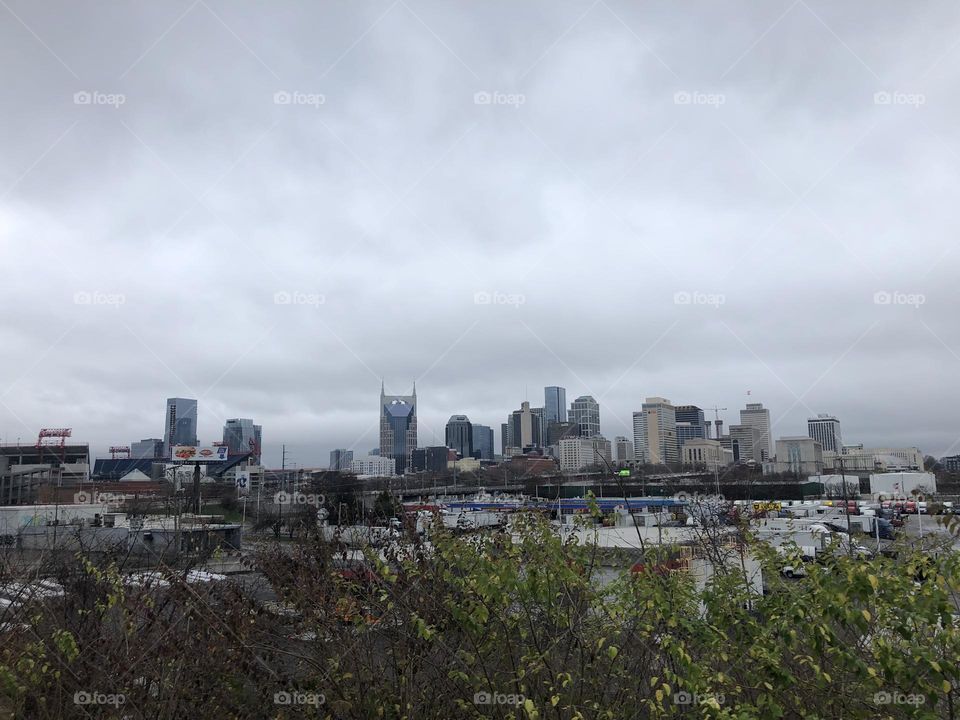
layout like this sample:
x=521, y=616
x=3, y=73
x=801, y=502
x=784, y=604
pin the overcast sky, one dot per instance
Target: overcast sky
x=271, y=206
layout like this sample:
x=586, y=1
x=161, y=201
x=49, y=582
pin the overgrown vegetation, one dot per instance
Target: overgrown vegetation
x=537, y=624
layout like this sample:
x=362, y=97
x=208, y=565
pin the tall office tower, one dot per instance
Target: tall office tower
x=398, y=427
x=557, y=431
x=691, y=424
x=506, y=439
x=746, y=442
x=825, y=429
x=180, y=425
x=483, y=442
x=554, y=404
x=585, y=411
x=757, y=416
x=151, y=448
x=655, y=432
x=624, y=449
x=240, y=435
x=459, y=435
x=341, y=459
x=526, y=427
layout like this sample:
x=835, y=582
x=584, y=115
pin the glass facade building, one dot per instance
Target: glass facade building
x=398, y=427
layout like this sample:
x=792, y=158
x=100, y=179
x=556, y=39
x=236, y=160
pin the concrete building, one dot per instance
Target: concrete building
x=506, y=439
x=951, y=463
x=755, y=415
x=240, y=436
x=374, y=465
x=705, y=453
x=149, y=449
x=525, y=429
x=459, y=435
x=554, y=404
x=691, y=424
x=798, y=455
x=825, y=429
x=340, y=459
x=180, y=423
x=483, y=446
x=746, y=443
x=857, y=457
x=655, y=432
x=575, y=454
x=557, y=431
x=623, y=448
x=398, y=427
x=585, y=411
x=464, y=465
x=28, y=474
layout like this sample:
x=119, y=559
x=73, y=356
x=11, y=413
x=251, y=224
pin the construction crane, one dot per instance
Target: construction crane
x=119, y=450
x=718, y=423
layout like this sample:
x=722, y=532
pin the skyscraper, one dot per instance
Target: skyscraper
x=554, y=404
x=655, y=432
x=759, y=417
x=240, y=435
x=341, y=459
x=624, y=450
x=585, y=411
x=483, y=442
x=180, y=423
x=459, y=435
x=825, y=429
x=691, y=424
x=398, y=427
x=525, y=427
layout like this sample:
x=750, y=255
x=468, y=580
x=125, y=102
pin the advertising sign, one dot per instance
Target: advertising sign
x=190, y=453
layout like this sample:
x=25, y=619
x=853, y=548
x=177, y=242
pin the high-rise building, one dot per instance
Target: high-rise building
x=825, y=429
x=506, y=439
x=430, y=459
x=691, y=424
x=180, y=424
x=240, y=435
x=459, y=435
x=746, y=443
x=655, y=432
x=147, y=449
x=554, y=404
x=341, y=459
x=557, y=431
x=398, y=427
x=585, y=411
x=483, y=442
x=759, y=417
x=579, y=452
x=624, y=450
x=374, y=465
x=525, y=427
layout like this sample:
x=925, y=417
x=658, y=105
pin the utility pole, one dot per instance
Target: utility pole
x=846, y=506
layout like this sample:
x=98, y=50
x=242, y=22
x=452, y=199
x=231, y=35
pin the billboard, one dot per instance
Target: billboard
x=190, y=453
